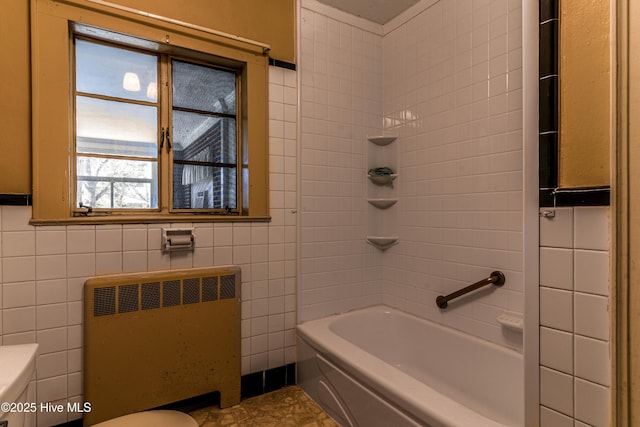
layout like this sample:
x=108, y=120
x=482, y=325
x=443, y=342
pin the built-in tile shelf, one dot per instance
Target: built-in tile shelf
x=382, y=140
x=382, y=242
x=382, y=203
x=382, y=193
x=383, y=179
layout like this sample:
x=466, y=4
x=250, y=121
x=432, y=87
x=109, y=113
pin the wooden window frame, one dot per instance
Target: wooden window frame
x=53, y=24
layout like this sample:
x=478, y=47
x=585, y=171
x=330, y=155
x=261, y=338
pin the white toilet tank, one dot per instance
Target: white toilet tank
x=17, y=392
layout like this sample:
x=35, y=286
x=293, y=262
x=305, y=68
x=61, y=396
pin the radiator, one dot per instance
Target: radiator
x=156, y=338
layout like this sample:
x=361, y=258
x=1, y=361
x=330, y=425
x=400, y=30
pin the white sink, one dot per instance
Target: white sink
x=17, y=365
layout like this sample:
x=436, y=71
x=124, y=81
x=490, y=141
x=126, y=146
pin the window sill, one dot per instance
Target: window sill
x=147, y=219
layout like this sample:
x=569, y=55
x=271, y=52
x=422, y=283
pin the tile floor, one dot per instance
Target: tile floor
x=288, y=407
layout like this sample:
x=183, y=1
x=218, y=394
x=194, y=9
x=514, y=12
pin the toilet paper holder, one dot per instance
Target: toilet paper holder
x=177, y=239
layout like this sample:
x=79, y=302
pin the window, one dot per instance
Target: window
x=140, y=121
x=116, y=127
x=204, y=122
x=121, y=133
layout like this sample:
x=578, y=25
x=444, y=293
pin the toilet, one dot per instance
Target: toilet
x=17, y=369
x=158, y=418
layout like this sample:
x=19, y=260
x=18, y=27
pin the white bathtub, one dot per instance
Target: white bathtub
x=381, y=367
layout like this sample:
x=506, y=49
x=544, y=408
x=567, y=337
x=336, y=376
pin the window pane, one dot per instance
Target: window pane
x=203, y=88
x=117, y=72
x=203, y=138
x=203, y=187
x=118, y=128
x=113, y=183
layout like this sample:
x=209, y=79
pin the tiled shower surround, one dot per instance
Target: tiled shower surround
x=341, y=102
x=451, y=89
x=447, y=79
x=42, y=269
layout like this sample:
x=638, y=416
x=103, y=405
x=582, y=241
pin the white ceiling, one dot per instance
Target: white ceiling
x=379, y=11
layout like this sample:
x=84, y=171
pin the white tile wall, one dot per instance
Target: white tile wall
x=591, y=229
x=592, y=360
x=574, y=314
x=453, y=94
x=591, y=272
x=556, y=391
x=341, y=103
x=592, y=403
x=42, y=270
x=556, y=350
x=556, y=309
x=591, y=316
x=557, y=231
x=556, y=268
x=551, y=418
x=448, y=82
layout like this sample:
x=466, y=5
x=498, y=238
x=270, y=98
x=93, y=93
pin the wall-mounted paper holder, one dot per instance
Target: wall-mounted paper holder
x=177, y=239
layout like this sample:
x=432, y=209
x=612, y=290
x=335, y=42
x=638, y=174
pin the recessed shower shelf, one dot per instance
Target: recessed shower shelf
x=382, y=242
x=382, y=140
x=382, y=203
x=383, y=179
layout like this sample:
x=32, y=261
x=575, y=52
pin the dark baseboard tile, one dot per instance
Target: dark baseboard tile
x=548, y=160
x=282, y=64
x=595, y=196
x=548, y=10
x=15, y=200
x=262, y=382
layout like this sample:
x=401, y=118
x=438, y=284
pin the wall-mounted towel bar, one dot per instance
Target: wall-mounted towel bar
x=496, y=278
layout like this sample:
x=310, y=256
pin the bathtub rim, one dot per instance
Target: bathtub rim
x=399, y=388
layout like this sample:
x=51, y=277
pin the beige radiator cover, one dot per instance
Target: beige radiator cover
x=147, y=358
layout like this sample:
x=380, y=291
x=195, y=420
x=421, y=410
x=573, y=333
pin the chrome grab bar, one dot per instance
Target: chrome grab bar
x=496, y=278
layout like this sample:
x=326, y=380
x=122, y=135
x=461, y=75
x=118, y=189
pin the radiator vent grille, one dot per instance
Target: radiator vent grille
x=150, y=295
x=191, y=291
x=105, y=301
x=168, y=293
x=209, y=289
x=227, y=287
x=127, y=298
